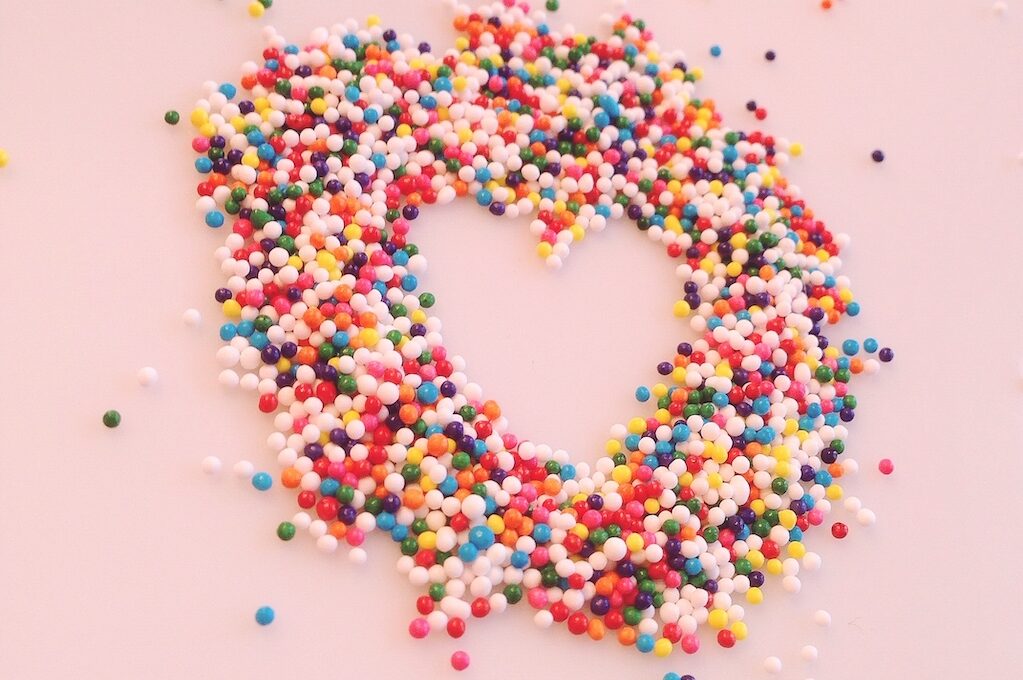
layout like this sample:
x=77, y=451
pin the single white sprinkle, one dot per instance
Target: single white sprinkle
x=772, y=664
x=192, y=317
x=357, y=556
x=228, y=378
x=148, y=376
x=327, y=543
x=866, y=517
x=211, y=465
x=809, y=653
x=822, y=618
x=244, y=469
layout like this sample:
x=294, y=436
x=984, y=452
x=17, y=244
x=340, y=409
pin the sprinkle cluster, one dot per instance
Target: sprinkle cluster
x=320, y=163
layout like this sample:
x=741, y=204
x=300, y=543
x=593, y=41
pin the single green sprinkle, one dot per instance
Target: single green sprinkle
x=111, y=418
x=171, y=117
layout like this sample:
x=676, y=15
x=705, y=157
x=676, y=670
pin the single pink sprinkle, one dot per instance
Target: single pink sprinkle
x=460, y=660
x=419, y=628
x=886, y=466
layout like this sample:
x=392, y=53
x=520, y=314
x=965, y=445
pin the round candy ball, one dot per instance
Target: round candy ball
x=460, y=660
x=772, y=664
x=886, y=466
x=262, y=481
x=839, y=530
x=171, y=117
x=148, y=376
x=191, y=317
x=877, y=155
x=822, y=618
x=285, y=531
x=112, y=418
x=211, y=465
x=265, y=616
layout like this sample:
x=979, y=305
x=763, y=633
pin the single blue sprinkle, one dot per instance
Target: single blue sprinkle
x=715, y=50
x=262, y=481
x=265, y=616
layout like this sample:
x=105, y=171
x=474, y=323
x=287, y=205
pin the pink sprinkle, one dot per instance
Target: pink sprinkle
x=460, y=660
x=886, y=466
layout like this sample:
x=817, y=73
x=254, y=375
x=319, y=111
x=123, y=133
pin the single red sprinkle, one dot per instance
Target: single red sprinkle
x=839, y=530
x=886, y=466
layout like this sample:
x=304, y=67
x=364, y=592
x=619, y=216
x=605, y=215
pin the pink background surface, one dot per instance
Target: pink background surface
x=120, y=559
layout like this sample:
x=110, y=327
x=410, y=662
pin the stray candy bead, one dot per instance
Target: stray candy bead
x=357, y=556
x=111, y=418
x=552, y=5
x=772, y=664
x=460, y=661
x=171, y=117
x=769, y=55
x=148, y=376
x=886, y=466
x=866, y=517
x=285, y=531
x=256, y=9
x=211, y=465
x=809, y=653
x=751, y=105
x=265, y=616
x=839, y=530
x=715, y=50
x=262, y=481
x=760, y=113
x=877, y=155
x=822, y=618
x=192, y=317
x=243, y=469
x=886, y=354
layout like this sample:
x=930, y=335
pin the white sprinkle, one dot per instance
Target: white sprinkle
x=148, y=376
x=866, y=517
x=809, y=653
x=228, y=378
x=327, y=543
x=244, y=469
x=822, y=618
x=211, y=465
x=357, y=556
x=192, y=317
x=772, y=664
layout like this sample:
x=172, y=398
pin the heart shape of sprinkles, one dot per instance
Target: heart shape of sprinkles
x=319, y=164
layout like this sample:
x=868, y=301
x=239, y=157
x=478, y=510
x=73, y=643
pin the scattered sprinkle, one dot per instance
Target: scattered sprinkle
x=460, y=660
x=772, y=664
x=886, y=466
x=822, y=618
x=262, y=481
x=171, y=117
x=715, y=50
x=760, y=113
x=243, y=469
x=192, y=317
x=809, y=653
x=552, y=5
x=265, y=616
x=839, y=530
x=112, y=418
x=866, y=517
x=147, y=376
x=211, y=465
x=770, y=55
x=877, y=155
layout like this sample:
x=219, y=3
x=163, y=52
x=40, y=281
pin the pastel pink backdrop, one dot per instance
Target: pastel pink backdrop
x=120, y=559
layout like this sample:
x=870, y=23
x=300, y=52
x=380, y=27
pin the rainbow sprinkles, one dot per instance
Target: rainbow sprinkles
x=319, y=164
